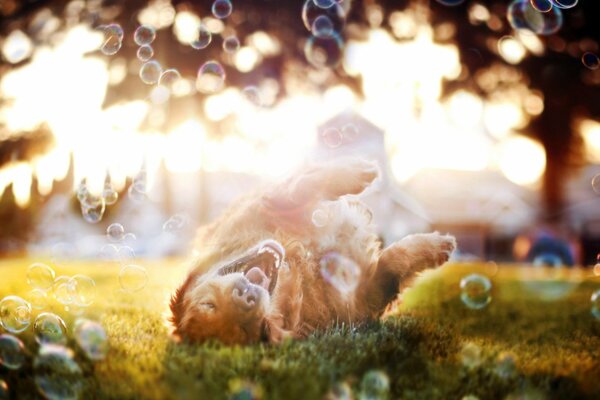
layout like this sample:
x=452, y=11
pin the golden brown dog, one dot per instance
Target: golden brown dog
x=266, y=271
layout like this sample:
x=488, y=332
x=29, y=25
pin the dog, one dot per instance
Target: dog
x=266, y=272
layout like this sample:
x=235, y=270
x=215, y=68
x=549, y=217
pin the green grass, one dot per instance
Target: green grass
x=555, y=342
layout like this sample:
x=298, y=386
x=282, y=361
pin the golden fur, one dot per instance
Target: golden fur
x=207, y=305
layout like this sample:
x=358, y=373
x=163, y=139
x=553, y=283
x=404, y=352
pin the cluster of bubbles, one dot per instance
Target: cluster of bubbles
x=113, y=38
x=475, y=291
x=542, y=17
x=324, y=19
x=132, y=277
x=334, y=137
x=92, y=205
x=340, y=271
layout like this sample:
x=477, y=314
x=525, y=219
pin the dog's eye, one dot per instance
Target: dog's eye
x=208, y=306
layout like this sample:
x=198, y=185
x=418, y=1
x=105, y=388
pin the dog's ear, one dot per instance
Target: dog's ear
x=177, y=306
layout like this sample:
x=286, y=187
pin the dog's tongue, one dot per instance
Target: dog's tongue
x=258, y=277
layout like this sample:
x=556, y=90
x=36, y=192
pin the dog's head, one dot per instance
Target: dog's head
x=231, y=302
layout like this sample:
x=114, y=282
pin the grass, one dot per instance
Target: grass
x=543, y=322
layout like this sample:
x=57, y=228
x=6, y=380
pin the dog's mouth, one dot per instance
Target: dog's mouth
x=260, y=265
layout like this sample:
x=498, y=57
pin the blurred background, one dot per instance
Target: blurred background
x=484, y=118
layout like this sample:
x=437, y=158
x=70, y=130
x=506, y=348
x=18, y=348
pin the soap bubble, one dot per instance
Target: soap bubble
x=475, y=291
x=150, y=72
x=15, y=314
x=320, y=217
x=56, y=374
x=339, y=391
x=133, y=278
x=505, y=367
x=339, y=271
x=332, y=137
x=541, y=5
x=231, y=44
x=40, y=276
x=596, y=304
x=202, y=39
x=49, y=328
x=64, y=292
x=590, y=60
x=221, y=8
x=252, y=94
x=4, y=391
x=91, y=338
x=375, y=385
x=12, y=352
x=470, y=355
x=450, y=2
x=83, y=289
x=175, y=223
x=335, y=13
x=211, y=77
x=144, y=35
x=38, y=299
x=322, y=26
x=324, y=51
x=565, y=4
x=115, y=232
x=113, y=39
x=93, y=213
x=522, y=15
x=144, y=53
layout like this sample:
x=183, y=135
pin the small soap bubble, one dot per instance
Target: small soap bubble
x=252, y=94
x=596, y=183
x=115, y=232
x=541, y=5
x=202, y=39
x=133, y=278
x=565, y=4
x=522, y=15
x=12, y=352
x=335, y=13
x=15, y=314
x=324, y=51
x=56, y=374
x=93, y=213
x=144, y=35
x=320, y=218
x=150, y=72
x=49, y=328
x=332, y=137
x=211, y=77
x=145, y=53
x=349, y=132
x=339, y=391
x=221, y=8
x=505, y=367
x=113, y=39
x=475, y=291
x=231, y=44
x=169, y=78
x=375, y=385
x=40, y=276
x=64, y=293
x=470, y=355
x=340, y=271
x=322, y=26
x=91, y=338
x=38, y=299
x=83, y=289
x=595, y=299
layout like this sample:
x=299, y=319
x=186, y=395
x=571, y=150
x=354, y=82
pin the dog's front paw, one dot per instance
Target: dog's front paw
x=444, y=246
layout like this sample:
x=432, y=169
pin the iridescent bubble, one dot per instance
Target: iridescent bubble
x=56, y=374
x=91, y=338
x=335, y=13
x=324, y=51
x=169, y=78
x=340, y=271
x=322, y=26
x=15, y=314
x=144, y=35
x=109, y=195
x=115, y=232
x=145, y=52
x=522, y=15
x=93, y=213
x=203, y=38
x=470, y=355
x=252, y=94
x=150, y=72
x=375, y=385
x=541, y=5
x=83, y=289
x=590, y=60
x=596, y=183
x=565, y=4
x=211, y=77
x=339, y=391
x=40, y=276
x=547, y=260
x=475, y=291
x=133, y=278
x=596, y=304
x=450, y=2
x=505, y=367
x=349, y=132
x=113, y=39
x=231, y=44
x=221, y=8
x=12, y=352
x=38, y=299
x=332, y=137
x=4, y=390
x=320, y=217
x=49, y=328
x=64, y=293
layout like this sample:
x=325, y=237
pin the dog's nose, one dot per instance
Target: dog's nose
x=244, y=295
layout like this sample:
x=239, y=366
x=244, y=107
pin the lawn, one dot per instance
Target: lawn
x=537, y=339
